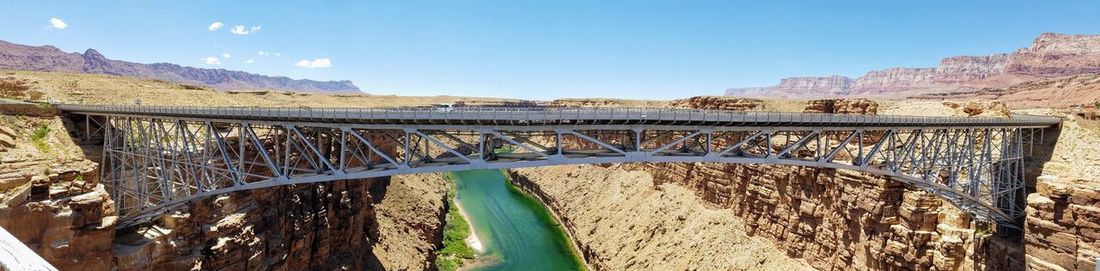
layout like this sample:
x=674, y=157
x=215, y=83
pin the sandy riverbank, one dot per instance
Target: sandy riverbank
x=473, y=241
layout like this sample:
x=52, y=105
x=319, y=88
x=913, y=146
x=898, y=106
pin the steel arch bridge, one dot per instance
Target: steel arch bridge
x=158, y=157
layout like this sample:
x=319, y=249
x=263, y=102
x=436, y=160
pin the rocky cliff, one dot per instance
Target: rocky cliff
x=1062, y=92
x=893, y=79
x=51, y=198
x=622, y=220
x=829, y=219
x=1057, y=55
x=49, y=58
x=1050, y=55
x=968, y=68
x=1062, y=227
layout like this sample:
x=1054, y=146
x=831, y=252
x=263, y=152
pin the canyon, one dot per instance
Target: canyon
x=625, y=216
x=51, y=198
x=1050, y=55
x=822, y=218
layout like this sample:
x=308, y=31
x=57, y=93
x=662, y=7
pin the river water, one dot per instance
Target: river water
x=515, y=231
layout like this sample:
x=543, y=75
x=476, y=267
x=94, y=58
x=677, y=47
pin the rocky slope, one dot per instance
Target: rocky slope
x=830, y=219
x=52, y=200
x=622, y=220
x=1064, y=92
x=1050, y=55
x=49, y=58
x=409, y=231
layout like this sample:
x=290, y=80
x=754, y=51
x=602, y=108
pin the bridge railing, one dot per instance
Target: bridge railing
x=551, y=114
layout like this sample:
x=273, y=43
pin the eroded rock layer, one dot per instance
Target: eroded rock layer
x=622, y=220
x=317, y=226
x=51, y=198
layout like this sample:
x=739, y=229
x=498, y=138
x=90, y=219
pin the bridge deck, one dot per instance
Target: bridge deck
x=156, y=157
x=557, y=116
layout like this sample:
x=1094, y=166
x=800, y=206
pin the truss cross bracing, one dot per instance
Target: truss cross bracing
x=158, y=157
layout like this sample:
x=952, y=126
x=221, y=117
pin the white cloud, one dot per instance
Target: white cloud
x=316, y=63
x=278, y=54
x=249, y=61
x=215, y=26
x=240, y=30
x=56, y=23
x=262, y=53
x=211, y=60
x=226, y=55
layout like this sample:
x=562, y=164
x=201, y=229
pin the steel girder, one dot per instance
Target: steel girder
x=153, y=163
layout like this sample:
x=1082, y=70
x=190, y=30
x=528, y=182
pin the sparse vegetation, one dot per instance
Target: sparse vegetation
x=35, y=95
x=455, y=232
x=193, y=87
x=39, y=138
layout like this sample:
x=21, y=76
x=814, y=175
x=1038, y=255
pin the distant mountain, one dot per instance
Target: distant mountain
x=49, y=58
x=1050, y=55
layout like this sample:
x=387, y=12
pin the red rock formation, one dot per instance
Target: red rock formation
x=719, y=103
x=319, y=226
x=825, y=85
x=1063, y=226
x=57, y=206
x=893, y=79
x=842, y=220
x=842, y=106
x=1053, y=54
x=967, y=68
x=65, y=215
x=1050, y=55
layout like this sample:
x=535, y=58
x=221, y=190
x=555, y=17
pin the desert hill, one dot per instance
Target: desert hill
x=48, y=58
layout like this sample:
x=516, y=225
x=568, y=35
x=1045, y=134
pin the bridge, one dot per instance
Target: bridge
x=157, y=157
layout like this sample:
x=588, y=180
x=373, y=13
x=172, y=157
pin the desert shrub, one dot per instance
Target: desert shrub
x=35, y=95
x=192, y=87
x=455, y=233
x=39, y=138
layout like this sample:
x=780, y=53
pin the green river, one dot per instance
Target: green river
x=515, y=231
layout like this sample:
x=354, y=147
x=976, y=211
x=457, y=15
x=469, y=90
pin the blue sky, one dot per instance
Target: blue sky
x=547, y=49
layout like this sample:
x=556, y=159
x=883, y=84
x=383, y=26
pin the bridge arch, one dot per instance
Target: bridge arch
x=158, y=157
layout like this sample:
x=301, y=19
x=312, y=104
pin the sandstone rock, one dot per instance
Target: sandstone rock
x=842, y=106
x=718, y=103
x=968, y=68
x=1057, y=54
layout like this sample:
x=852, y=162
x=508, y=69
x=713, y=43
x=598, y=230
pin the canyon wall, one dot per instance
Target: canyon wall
x=843, y=220
x=316, y=226
x=894, y=79
x=1062, y=227
x=1057, y=55
x=827, y=84
x=828, y=219
x=621, y=220
x=967, y=68
x=1050, y=55
x=51, y=198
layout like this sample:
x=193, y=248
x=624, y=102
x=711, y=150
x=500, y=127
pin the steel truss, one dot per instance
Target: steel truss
x=151, y=163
